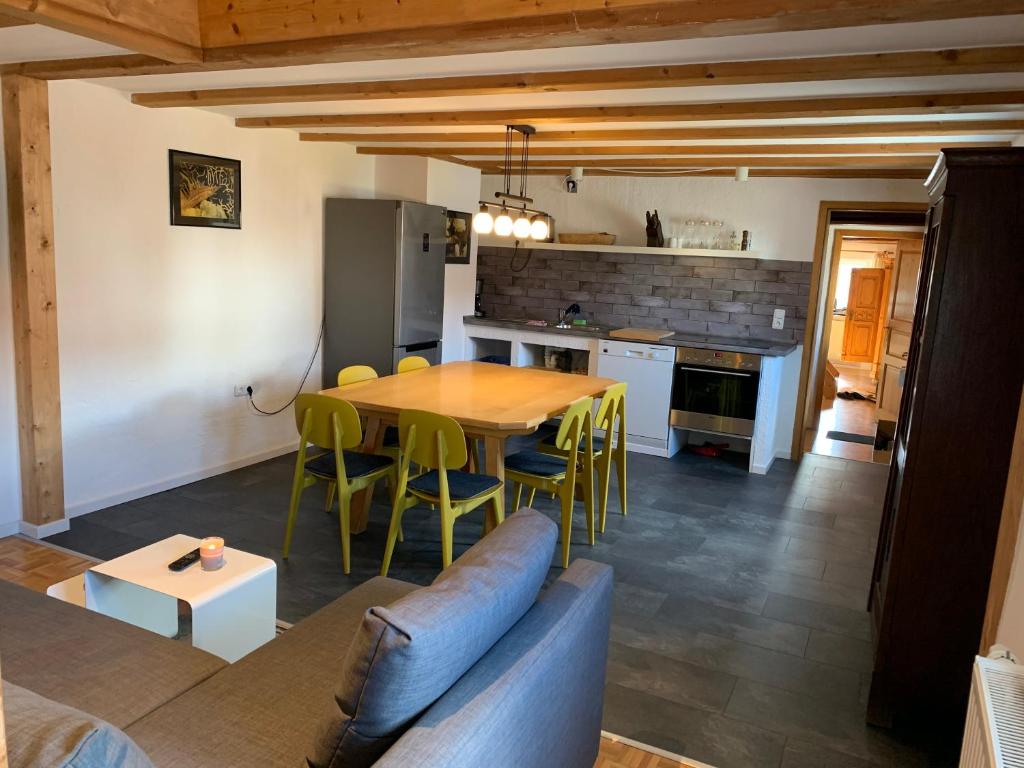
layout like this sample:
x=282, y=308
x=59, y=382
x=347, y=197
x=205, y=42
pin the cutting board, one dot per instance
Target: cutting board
x=641, y=334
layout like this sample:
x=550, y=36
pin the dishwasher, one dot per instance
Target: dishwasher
x=647, y=370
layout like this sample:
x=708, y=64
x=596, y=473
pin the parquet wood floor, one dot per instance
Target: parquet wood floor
x=37, y=566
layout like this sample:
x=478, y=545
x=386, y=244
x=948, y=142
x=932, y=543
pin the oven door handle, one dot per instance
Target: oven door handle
x=714, y=370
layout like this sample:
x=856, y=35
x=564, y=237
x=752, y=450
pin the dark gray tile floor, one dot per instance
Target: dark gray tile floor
x=739, y=636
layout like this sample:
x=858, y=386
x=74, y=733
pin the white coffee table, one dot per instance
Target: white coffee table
x=233, y=609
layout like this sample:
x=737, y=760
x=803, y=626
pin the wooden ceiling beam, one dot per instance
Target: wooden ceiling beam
x=812, y=173
x=262, y=30
x=905, y=148
x=917, y=128
x=10, y=21
x=737, y=110
x=745, y=161
x=167, y=30
x=824, y=68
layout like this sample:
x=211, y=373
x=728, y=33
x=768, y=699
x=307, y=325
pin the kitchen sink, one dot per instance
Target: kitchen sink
x=550, y=326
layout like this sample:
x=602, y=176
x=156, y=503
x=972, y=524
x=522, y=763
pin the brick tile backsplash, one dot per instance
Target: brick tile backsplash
x=720, y=296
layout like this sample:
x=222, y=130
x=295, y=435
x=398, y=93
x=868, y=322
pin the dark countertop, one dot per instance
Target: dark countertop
x=767, y=347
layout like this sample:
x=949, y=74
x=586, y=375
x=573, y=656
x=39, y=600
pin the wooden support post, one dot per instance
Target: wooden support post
x=3, y=736
x=26, y=121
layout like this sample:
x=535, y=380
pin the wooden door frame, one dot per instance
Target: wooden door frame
x=1007, y=539
x=814, y=328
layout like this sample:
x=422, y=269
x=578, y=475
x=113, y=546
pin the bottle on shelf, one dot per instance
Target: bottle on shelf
x=745, y=245
x=734, y=241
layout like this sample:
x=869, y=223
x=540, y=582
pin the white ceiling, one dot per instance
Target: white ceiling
x=33, y=42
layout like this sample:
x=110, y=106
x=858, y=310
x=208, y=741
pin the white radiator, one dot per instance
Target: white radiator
x=994, y=734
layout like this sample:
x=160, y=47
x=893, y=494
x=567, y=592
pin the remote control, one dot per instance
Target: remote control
x=185, y=561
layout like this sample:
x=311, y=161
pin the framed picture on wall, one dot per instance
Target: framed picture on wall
x=458, y=232
x=206, y=191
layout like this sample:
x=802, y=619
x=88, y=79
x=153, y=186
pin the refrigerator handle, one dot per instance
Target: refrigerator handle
x=421, y=346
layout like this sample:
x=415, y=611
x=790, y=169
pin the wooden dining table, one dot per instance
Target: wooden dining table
x=491, y=402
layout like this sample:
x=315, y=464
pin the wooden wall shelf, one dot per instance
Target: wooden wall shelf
x=508, y=242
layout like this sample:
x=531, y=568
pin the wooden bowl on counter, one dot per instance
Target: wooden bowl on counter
x=586, y=238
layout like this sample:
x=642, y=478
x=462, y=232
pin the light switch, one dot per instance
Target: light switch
x=779, y=319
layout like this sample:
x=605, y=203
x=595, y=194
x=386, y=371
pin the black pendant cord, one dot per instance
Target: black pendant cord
x=515, y=250
x=508, y=160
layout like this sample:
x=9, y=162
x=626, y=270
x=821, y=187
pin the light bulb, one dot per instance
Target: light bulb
x=503, y=224
x=539, y=229
x=521, y=228
x=483, y=222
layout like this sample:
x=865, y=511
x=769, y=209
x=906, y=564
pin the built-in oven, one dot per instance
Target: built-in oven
x=715, y=391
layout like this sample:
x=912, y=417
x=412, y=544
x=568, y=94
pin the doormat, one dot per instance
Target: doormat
x=850, y=394
x=849, y=437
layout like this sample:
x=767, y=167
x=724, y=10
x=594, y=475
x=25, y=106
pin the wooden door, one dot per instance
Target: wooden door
x=863, y=315
x=898, y=326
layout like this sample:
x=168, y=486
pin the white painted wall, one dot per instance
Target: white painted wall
x=10, y=475
x=158, y=323
x=456, y=187
x=401, y=178
x=781, y=213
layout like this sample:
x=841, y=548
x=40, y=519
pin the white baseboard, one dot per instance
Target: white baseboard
x=140, y=491
x=47, y=529
x=10, y=529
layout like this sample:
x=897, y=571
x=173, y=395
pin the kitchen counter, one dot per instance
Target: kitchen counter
x=765, y=347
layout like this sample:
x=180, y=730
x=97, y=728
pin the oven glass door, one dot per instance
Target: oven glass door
x=725, y=394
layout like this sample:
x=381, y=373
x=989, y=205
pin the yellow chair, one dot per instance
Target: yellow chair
x=412, y=363
x=354, y=374
x=611, y=418
x=560, y=475
x=438, y=444
x=333, y=425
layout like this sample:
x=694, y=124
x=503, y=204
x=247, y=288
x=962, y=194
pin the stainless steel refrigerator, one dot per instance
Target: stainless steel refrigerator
x=383, y=283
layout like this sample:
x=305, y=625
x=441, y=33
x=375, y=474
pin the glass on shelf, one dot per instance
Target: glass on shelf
x=718, y=235
x=689, y=234
x=705, y=234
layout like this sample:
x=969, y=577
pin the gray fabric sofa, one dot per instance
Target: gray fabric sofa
x=534, y=698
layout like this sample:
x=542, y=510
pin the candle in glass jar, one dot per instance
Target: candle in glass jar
x=211, y=553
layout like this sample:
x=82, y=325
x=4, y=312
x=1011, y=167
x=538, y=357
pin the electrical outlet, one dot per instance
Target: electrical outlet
x=779, y=319
x=241, y=390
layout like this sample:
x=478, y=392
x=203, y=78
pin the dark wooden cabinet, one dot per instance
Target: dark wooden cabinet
x=965, y=368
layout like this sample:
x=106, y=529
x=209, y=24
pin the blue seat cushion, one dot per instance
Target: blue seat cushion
x=391, y=437
x=357, y=464
x=406, y=655
x=549, y=441
x=461, y=485
x=535, y=463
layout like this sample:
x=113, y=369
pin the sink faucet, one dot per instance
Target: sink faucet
x=572, y=309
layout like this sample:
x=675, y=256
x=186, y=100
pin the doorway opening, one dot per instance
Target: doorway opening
x=856, y=415
x=864, y=290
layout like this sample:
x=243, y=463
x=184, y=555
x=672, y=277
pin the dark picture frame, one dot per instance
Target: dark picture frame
x=458, y=232
x=205, y=190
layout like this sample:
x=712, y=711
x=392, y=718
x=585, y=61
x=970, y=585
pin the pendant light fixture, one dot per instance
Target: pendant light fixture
x=483, y=222
x=503, y=225
x=520, y=222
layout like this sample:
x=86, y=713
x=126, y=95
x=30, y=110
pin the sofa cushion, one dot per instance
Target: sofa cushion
x=44, y=734
x=107, y=668
x=406, y=655
x=265, y=709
